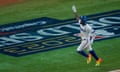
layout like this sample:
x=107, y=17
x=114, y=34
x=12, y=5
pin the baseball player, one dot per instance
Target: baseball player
x=87, y=35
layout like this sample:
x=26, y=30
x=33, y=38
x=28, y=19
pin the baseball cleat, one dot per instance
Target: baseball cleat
x=89, y=58
x=98, y=62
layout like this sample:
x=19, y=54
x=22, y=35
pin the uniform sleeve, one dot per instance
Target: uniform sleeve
x=91, y=33
x=90, y=30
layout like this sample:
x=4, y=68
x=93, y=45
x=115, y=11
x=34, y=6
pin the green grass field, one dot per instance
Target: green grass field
x=65, y=59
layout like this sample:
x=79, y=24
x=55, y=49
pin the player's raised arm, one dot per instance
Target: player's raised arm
x=82, y=19
x=75, y=12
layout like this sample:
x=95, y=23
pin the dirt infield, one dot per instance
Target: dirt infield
x=8, y=2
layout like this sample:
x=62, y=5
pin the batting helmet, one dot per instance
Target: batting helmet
x=84, y=18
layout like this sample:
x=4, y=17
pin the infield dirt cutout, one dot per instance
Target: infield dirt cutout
x=9, y=2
